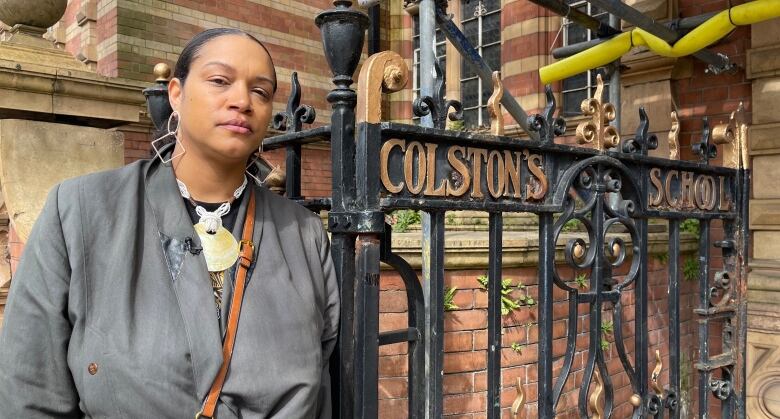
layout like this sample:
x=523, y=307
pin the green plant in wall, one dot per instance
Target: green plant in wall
x=456, y=125
x=581, y=280
x=571, y=225
x=508, y=304
x=404, y=219
x=662, y=257
x=517, y=347
x=607, y=327
x=449, y=296
x=691, y=268
x=450, y=219
x=690, y=225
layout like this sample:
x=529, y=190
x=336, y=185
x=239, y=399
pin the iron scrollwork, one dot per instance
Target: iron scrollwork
x=546, y=124
x=438, y=106
x=295, y=115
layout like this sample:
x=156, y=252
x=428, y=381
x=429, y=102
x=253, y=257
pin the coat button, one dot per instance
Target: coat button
x=92, y=368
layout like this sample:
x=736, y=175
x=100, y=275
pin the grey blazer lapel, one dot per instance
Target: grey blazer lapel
x=188, y=274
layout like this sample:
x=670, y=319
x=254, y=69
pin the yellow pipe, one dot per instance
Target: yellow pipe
x=702, y=36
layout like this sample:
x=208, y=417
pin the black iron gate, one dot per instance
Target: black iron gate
x=380, y=166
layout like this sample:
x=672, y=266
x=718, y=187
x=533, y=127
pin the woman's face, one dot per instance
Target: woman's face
x=225, y=103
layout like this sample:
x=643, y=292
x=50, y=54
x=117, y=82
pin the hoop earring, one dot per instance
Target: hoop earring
x=166, y=135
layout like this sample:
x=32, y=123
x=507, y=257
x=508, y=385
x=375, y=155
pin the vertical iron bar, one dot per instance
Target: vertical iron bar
x=293, y=169
x=674, y=313
x=433, y=292
x=545, y=314
x=373, y=30
x=704, y=349
x=367, y=325
x=641, y=338
x=743, y=244
x=494, y=315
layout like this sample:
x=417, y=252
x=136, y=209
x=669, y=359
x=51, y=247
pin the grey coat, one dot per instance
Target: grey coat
x=110, y=315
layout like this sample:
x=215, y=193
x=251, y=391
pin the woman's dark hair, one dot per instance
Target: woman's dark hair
x=190, y=51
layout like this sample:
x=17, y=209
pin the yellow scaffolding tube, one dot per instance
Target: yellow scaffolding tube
x=702, y=36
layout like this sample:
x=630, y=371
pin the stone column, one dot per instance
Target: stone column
x=763, y=339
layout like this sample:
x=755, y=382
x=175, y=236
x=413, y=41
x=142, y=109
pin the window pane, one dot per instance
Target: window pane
x=575, y=34
x=470, y=29
x=576, y=82
x=491, y=28
x=606, y=93
x=485, y=117
x=572, y=101
x=487, y=91
x=470, y=118
x=465, y=70
x=492, y=56
x=441, y=50
x=492, y=5
x=468, y=92
x=440, y=36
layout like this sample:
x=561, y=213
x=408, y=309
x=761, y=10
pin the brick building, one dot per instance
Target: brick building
x=126, y=38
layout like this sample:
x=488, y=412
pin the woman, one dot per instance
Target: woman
x=125, y=294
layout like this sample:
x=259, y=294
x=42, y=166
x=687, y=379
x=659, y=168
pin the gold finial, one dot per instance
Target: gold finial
x=636, y=400
x=579, y=251
x=517, y=406
x=733, y=133
x=657, y=373
x=596, y=406
x=674, y=133
x=597, y=131
x=494, y=106
x=382, y=72
x=163, y=72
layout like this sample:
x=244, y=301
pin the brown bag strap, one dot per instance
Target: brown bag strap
x=244, y=262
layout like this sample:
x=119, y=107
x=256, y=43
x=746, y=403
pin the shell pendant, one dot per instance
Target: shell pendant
x=220, y=249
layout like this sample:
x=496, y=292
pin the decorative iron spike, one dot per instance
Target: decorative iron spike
x=545, y=123
x=384, y=71
x=595, y=400
x=295, y=115
x=517, y=406
x=494, y=106
x=597, y=130
x=642, y=142
x=438, y=106
x=674, y=134
x=704, y=149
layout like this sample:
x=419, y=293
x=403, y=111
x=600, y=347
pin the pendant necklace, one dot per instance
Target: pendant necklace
x=219, y=246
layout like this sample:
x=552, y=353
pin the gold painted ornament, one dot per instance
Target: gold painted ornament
x=220, y=249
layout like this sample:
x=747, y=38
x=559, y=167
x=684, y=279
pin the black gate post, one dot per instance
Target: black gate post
x=343, y=33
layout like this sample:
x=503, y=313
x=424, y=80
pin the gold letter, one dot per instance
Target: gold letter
x=492, y=174
x=461, y=169
x=477, y=155
x=384, y=157
x=686, y=189
x=414, y=188
x=672, y=202
x=512, y=173
x=535, y=166
x=431, y=182
x=655, y=179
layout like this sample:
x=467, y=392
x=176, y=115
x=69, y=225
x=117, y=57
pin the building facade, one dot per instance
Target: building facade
x=126, y=38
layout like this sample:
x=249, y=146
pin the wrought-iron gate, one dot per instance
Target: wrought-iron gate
x=380, y=166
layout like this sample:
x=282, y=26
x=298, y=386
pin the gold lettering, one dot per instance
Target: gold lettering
x=539, y=190
x=671, y=201
x=655, y=179
x=495, y=177
x=476, y=155
x=699, y=192
x=414, y=188
x=686, y=189
x=709, y=203
x=431, y=188
x=461, y=168
x=384, y=158
x=512, y=173
x=725, y=204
